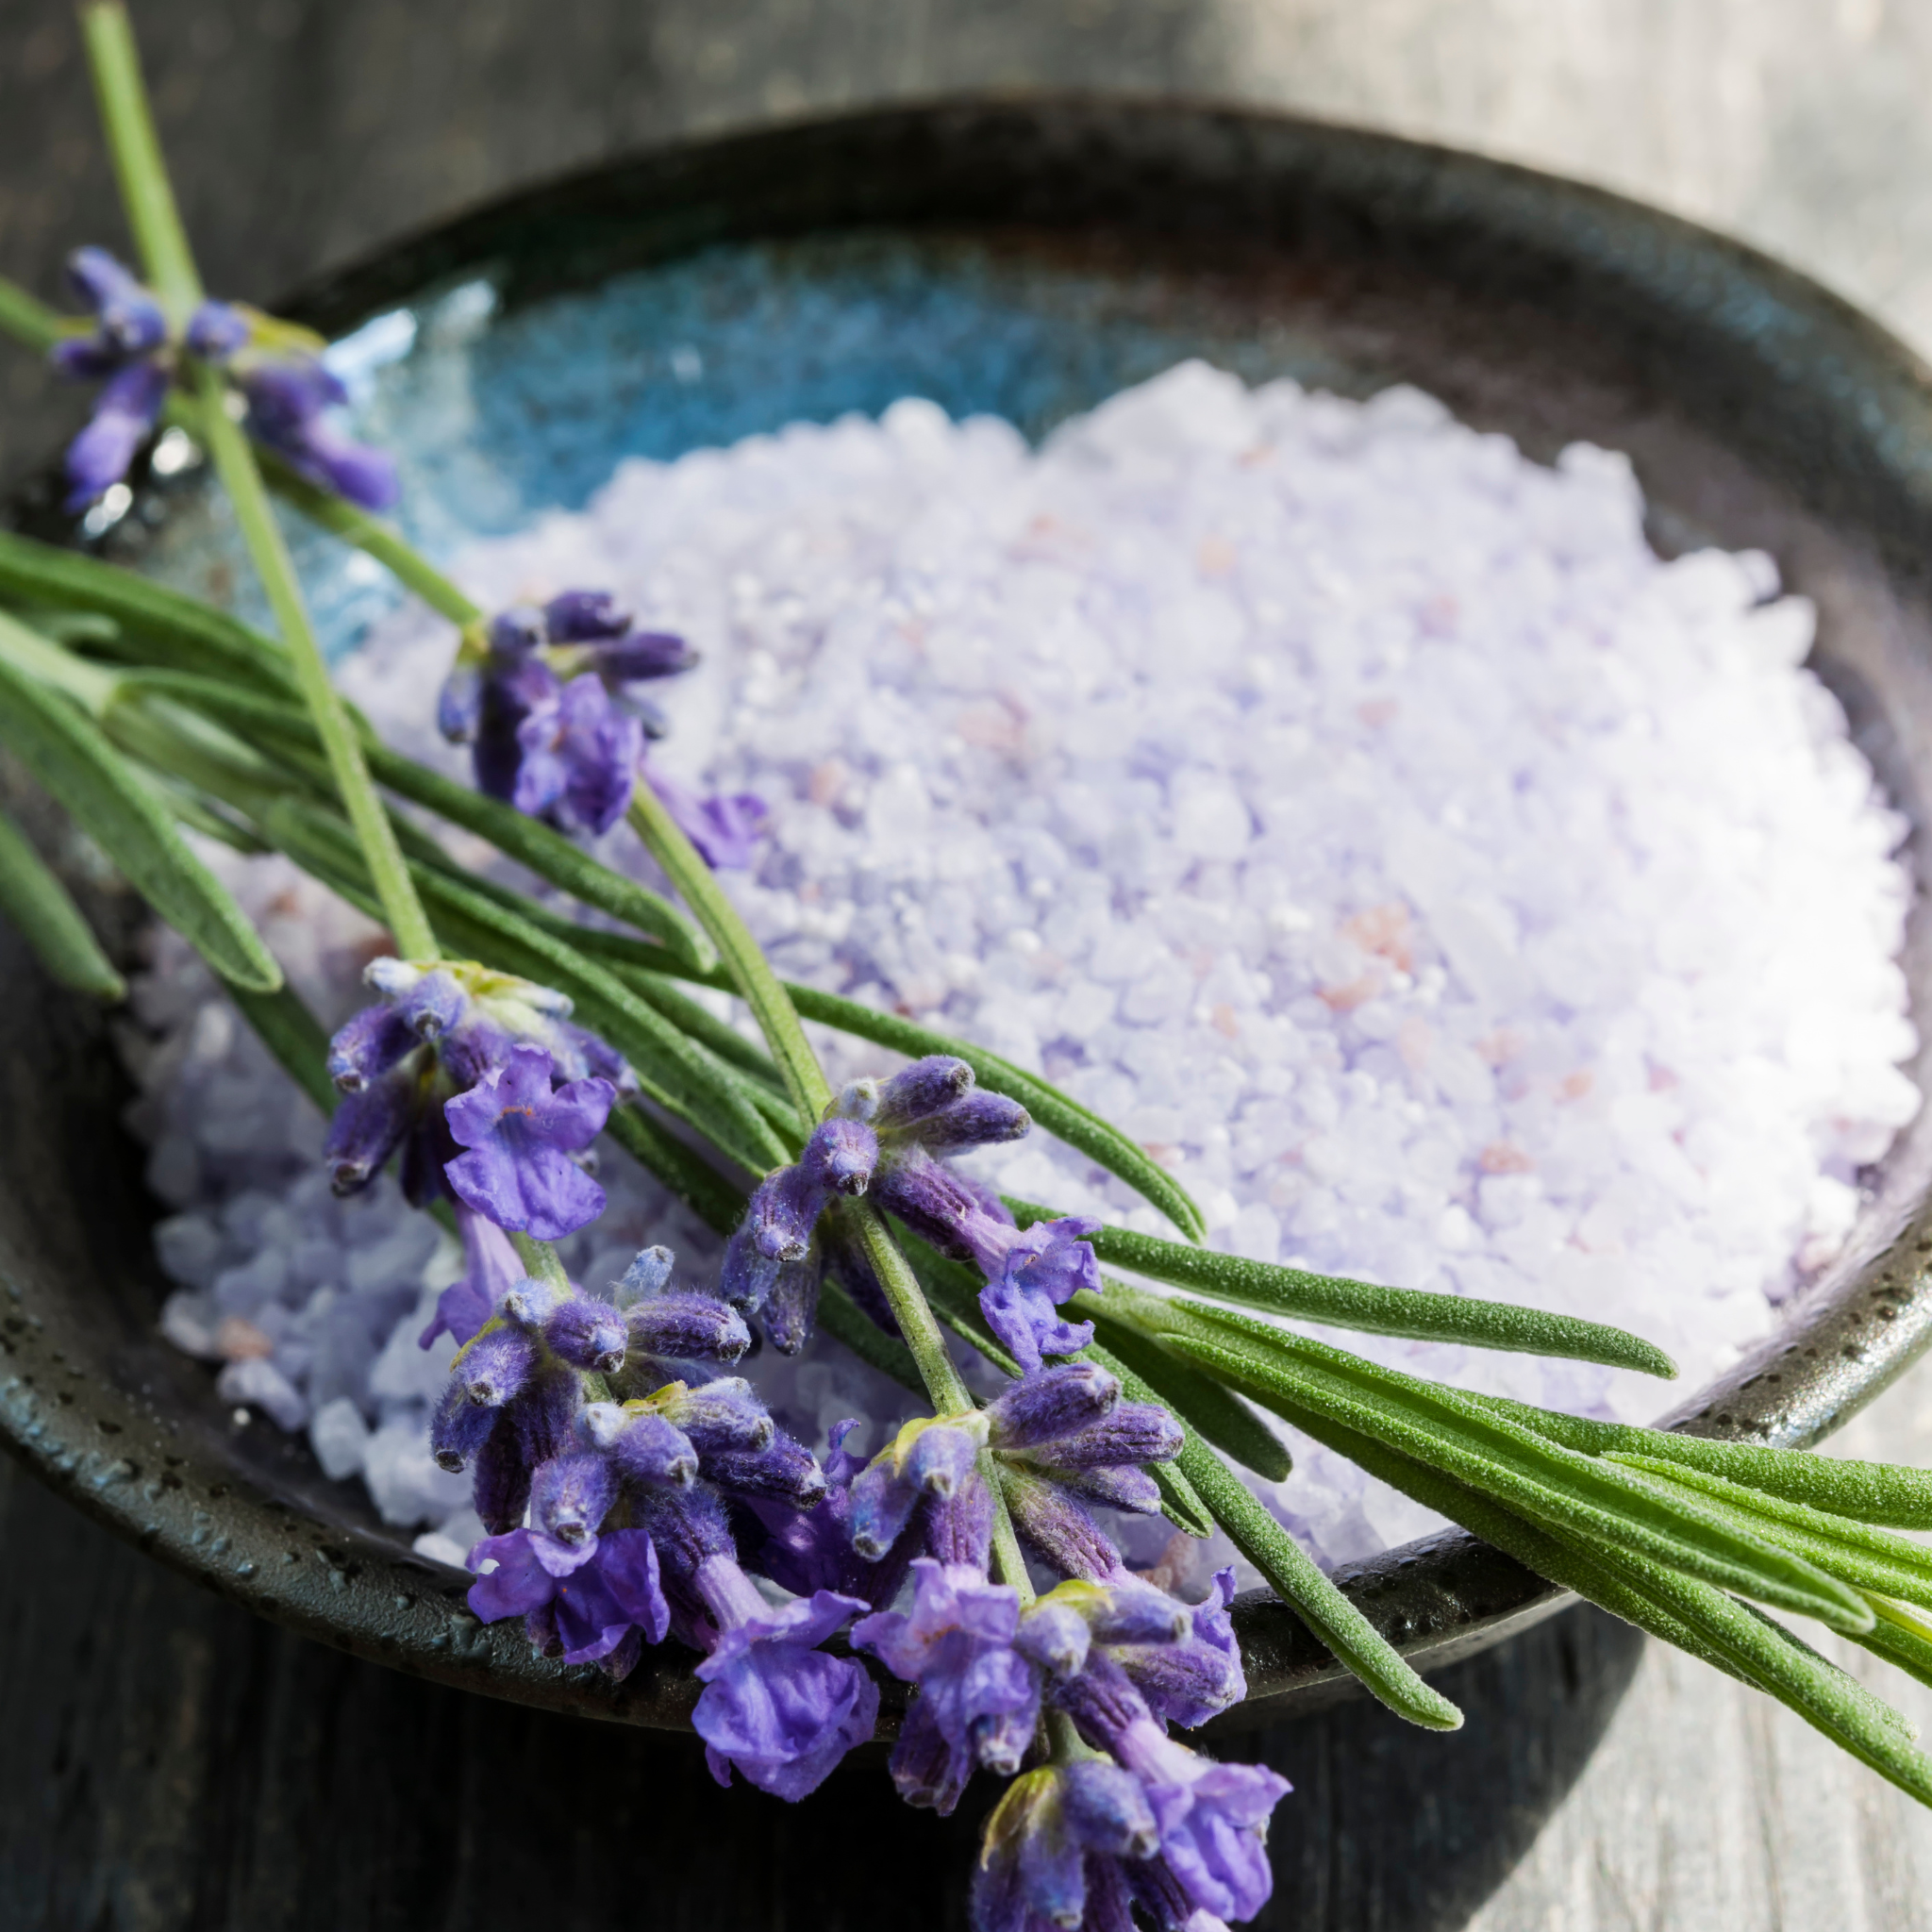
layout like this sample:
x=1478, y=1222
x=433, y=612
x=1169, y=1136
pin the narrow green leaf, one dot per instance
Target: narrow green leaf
x=1552, y=1486
x=75, y=762
x=49, y=921
x=1765, y=1654
x=294, y=1036
x=1876, y=1493
x=185, y=633
x=370, y=534
x=1869, y=1560
x=29, y=321
x=1516, y=1535
x=1417, y=1313
x=1198, y=1401
x=1180, y=1503
x=1295, y=1577
x=1900, y=1638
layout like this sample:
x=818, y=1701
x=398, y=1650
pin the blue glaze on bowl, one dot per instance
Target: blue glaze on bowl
x=497, y=415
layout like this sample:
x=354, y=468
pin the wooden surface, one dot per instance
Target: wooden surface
x=167, y=1763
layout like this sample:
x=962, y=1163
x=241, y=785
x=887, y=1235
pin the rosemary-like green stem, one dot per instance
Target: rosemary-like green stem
x=745, y=959
x=762, y=992
x=139, y=168
x=402, y=910
x=539, y=1257
x=170, y=265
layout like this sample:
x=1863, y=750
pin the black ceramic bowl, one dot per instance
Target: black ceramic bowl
x=1759, y=411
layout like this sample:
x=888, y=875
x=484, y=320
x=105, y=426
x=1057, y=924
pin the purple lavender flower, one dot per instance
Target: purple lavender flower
x=725, y=828
x=1212, y=1818
x=124, y=417
x=491, y=1269
x=594, y=1600
x=578, y=755
x=773, y=1260
x=552, y=701
x=978, y=1700
x=292, y=400
x=505, y=1411
x=439, y=1031
x=774, y=1707
x=1189, y=1680
x=289, y=390
x=928, y=1468
x=520, y=1136
x=1048, y=1264
x=808, y=1551
x=1055, y=1849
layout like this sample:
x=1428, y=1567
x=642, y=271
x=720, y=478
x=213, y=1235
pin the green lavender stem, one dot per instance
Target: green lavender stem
x=170, y=264
x=143, y=176
x=804, y=1079
x=402, y=910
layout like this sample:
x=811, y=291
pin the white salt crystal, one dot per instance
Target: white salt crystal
x=257, y=1382
x=340, y=1438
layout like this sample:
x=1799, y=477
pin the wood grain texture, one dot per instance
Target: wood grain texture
x=167, y=1763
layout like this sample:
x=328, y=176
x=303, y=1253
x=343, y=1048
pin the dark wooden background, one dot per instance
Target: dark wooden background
x=168, y=1764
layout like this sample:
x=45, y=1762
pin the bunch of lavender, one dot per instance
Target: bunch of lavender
x=630, y=1493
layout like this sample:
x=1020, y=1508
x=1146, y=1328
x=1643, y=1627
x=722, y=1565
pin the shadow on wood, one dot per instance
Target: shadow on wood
x=174, y=1763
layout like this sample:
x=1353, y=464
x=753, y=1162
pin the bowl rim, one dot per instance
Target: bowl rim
x=1758, y=328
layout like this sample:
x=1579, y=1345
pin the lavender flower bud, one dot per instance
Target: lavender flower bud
x=367, y=1128
x=570, y=1495
x=924, y=1089
x=687, y=1327
x=1107, y=1809
x=1054, y=1636
x=652, y=1450
x=978, y=1120
x=1135, y=1432
x=792, y=1304
x=840, y=1158
x=433, y=1004
x=215, y=331
x=642, y=654
x=366, y=1046
x=1058, y=1529
x=530, y=1302
x=1132, y=1613
x=1119, y=1486
x=459, y=1427
x=785, y=1472
x=129, y=316
x=718, y=1416
x=648, y=1275
x=497, y=1366
x=578, y=617
x=588, y=1334
x=1055, y=1404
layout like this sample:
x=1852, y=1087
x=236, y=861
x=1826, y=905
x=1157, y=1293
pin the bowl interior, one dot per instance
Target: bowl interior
x=1025, y=262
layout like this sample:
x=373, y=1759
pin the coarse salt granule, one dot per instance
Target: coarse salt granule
x=1451, y=893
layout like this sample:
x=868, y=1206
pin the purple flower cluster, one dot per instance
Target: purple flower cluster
x=887, y=1139
x=629, y=1499
x=485, y=1087
x=136, y=353
x=552, y=701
